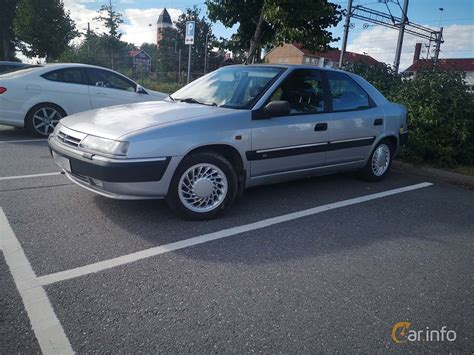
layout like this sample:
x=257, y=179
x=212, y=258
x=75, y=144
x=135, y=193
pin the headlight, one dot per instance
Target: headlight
x=103, y=145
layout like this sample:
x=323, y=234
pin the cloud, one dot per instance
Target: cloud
x=82, y=15
x=380, y=43
x=141, y=24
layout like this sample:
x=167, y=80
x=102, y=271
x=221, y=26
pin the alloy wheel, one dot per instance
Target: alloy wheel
x=45, y=119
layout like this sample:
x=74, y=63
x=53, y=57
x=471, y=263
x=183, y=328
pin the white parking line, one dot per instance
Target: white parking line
x=125, y=259
x=25, y=140
x=45, y=324
x=28, y=176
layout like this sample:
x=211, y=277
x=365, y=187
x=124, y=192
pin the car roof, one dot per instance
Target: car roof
x=17, y=64
x=286, y=66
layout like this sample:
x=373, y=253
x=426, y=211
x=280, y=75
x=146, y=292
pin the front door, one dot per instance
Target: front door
x=296, y=141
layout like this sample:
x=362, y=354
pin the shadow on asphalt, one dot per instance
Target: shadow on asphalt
x=153, y=221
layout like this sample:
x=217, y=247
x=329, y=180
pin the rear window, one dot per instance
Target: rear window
x=68, y=75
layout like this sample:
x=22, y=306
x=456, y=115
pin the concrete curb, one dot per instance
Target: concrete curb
x=434, y=173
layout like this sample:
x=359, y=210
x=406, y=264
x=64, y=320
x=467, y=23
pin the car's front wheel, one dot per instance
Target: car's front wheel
x=379, y=163
x=203, y=185
x=41, y=119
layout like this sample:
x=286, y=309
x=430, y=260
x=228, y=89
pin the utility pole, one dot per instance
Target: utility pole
x=401, y=33
x=439, y=39
x=346, y=33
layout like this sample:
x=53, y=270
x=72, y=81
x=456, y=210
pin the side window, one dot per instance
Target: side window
x=303, y=89
x=106, y=79
x=70, y=75
x=345, y=93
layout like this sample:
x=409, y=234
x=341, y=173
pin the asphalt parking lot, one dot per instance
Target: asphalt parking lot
x=318, y=265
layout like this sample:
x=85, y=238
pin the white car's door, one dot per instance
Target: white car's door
x=68, y=87
x=109, y=89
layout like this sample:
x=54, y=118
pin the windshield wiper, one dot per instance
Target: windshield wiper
x=171, y=97
x=191, y=100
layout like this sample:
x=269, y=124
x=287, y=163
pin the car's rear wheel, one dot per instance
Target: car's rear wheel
x=203, y=185
x=41, y=119
x=379, y=163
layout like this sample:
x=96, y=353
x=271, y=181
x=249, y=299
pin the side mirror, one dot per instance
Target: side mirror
x=141, y=90
x=278, y=108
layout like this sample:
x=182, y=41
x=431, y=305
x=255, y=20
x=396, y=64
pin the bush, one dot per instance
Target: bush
x=440, y=113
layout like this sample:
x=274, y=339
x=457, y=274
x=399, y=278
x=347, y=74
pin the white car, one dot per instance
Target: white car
x=37, y=98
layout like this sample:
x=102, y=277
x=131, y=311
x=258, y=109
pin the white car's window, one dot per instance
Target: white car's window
x=303, y=89
x=69, y=75
x=345, y=93
x=233, y=87
x=107, y=79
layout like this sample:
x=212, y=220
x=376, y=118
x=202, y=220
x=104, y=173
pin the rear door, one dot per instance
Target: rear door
x=298, y=140
x=355, y=120
x=109, y=89
x=68, y=87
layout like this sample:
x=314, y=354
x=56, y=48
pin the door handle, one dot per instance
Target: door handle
x=321, y=127
x=378, y=122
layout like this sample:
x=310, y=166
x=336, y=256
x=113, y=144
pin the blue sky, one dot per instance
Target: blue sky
x=379, y=42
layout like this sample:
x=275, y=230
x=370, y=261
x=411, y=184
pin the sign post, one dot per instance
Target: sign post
x=189, y=40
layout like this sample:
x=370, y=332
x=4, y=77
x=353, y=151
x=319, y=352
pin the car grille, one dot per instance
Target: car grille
x=69, y=140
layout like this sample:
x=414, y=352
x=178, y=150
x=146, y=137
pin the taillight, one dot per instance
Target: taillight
x=2, y=90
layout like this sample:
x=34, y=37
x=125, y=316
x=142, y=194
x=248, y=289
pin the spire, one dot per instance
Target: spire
x=164, y=18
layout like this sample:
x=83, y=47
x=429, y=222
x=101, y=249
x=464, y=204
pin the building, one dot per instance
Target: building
x=141, y=60
x=465, y=65
x=164, y=21
x=294, y=53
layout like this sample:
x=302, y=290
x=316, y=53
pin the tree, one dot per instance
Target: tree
x=263, y=22
x=43, y=28
x=7, y=36
x=112, y=21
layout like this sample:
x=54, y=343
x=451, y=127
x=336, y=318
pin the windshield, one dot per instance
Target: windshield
x=233, y=86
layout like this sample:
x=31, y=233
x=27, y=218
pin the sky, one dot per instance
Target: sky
x=457, y=18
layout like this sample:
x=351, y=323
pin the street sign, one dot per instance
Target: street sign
x=190, y=28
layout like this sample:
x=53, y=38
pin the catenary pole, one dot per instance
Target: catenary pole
x=401, y=33
x=346, y=33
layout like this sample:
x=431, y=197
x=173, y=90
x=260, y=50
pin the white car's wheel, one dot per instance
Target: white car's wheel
x=41, y=119
x=203, y=185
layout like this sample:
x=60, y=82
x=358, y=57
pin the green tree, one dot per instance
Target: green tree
x=7, y=35
x=112, y=21
x=43, y=28
x=263, y=22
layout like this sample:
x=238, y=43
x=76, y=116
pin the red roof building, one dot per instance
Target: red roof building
x=465, y=65
x=295, y=53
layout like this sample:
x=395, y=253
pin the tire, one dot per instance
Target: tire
x=41, y=119
x=212, y=187
x=379, y=162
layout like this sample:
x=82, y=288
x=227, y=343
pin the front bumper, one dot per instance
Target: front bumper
x=114, y=178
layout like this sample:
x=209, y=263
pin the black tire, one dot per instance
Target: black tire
x=369, y=171
x=174, y=197
x=33, y=122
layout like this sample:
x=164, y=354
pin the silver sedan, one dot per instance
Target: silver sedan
x=235, y=128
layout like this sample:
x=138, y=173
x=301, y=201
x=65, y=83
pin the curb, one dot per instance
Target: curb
x=434, y=173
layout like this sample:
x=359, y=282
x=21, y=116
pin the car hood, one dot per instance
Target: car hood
x=116, y=121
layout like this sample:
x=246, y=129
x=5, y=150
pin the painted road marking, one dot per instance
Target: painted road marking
x=28, y=176
x=125, y=259
x=45, y=323
x=26, y=140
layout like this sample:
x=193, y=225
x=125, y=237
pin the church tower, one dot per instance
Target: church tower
x=164, y=21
